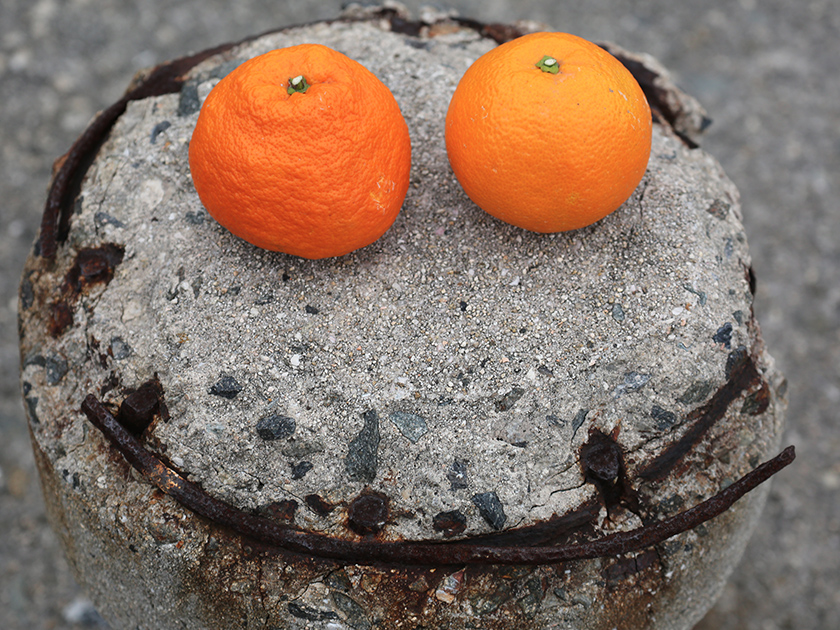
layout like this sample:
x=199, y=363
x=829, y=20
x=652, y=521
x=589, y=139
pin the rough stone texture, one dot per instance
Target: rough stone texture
x=456, y=366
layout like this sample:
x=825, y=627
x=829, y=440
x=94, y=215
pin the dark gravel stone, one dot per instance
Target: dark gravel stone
x=71, y=478
x=724, y=335
x=119, y=348
x=300, y=469
x=600, y=460
x=310, y=614
x=489, y=602
x=361, y=461
x=353, y=611
x=697, y=392
x=226, y=387
x=195, y=218
x=457, y=475
x=280, y=510
x=32, y=406
x=103, y=218
x=276, y=427
x=312, y=310
x=490, y=508
x=338, y=580
x=757, y=402
x=36, y=359
x=56, y=367
x=188, y=101
x=617, y=312
x=579, y=419
x=411, y=425
x=159, y=129
x=138, y=409
x=664, y=419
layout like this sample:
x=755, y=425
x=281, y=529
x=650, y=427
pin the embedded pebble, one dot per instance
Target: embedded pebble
x=276, y=427
x=490, y=508
x=361, y=461
x=411, y=425
x=226, y=387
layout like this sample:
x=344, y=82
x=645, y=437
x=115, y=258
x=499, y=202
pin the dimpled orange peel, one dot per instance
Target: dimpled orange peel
x=548, y=132
x=302, y=150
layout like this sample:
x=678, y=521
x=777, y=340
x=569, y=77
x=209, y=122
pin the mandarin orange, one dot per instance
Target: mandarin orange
x=302, y=150
x=548, y=132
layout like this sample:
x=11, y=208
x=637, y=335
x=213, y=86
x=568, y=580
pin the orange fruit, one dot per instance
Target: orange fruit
x=302, y=150
x=548, y=132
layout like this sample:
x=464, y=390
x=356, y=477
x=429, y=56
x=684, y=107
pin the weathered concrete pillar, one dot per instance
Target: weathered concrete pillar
x=427, y=433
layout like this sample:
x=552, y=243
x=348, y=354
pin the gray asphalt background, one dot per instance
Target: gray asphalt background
x=766, y=71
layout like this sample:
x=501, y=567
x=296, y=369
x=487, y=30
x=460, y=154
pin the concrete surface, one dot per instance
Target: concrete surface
x=455, y=344
x=764, y=71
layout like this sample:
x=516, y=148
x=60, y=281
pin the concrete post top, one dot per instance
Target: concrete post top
x=444, y=383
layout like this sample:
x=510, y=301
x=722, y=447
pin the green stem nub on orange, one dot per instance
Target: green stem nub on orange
x=297, y=84
x=549, y=64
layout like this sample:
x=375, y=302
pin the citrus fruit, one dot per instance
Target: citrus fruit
x=548, y=132
x=302, y=150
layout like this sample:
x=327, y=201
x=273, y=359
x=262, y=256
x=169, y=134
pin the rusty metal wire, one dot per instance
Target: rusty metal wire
x=272, y=533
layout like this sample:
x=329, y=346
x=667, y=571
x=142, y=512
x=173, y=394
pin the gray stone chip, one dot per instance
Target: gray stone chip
x=491, y=509
x=226, y=387
x=362, y=461
x=276, y=427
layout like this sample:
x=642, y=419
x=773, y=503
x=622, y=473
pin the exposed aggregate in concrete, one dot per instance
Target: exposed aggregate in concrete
x=456, y=366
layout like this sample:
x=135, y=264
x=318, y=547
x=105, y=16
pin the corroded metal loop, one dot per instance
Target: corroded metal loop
x=366, y=551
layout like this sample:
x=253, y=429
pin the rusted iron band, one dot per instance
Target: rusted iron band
x=272, y=533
